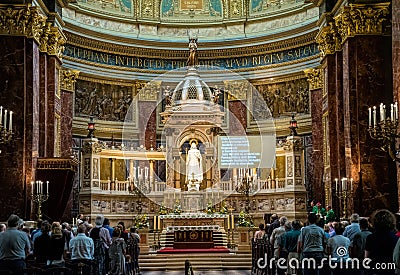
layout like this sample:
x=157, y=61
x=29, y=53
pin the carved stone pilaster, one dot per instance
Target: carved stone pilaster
x=68, y=79
x=91, y=146
x=362, y=19
x=315, y=78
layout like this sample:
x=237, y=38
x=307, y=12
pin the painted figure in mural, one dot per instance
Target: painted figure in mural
x=194, y=165
x=192, y=59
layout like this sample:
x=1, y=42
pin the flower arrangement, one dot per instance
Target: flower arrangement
x=245, y=219
x=177, y=208
x=141, y=221
x=163, y=210
x=210, y=208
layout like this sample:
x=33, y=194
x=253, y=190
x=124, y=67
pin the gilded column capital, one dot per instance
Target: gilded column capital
x=315, y=78
x=363, y=19
x=237, y=89
x=68, y=79
x=21, y=20
x=328, y=39
x=55, y=42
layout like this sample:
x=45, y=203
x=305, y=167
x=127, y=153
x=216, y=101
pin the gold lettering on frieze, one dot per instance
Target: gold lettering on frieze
x=191, y=4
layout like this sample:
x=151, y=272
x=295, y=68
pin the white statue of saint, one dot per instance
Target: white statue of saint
x=194, y=165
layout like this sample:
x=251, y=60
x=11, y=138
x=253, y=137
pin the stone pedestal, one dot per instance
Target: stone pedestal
x=144, y=241
x=243, y=239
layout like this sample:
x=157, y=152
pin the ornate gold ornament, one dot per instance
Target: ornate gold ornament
x=237, y=89
x=150, y=91
x=357, y=19
x=25, y=20
x=68, y=79
x=21, y=20
x=328, y=40
x=315, y=78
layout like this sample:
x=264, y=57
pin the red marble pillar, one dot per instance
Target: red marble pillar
x=147, y=123
x=66, y=123
x=53, y=104
x=366, y=83
x=20, y=93
x=396, y=68
x=43, y=114
x=318, y=145
x=237, y=118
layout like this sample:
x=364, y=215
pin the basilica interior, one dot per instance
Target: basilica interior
x=198, y=115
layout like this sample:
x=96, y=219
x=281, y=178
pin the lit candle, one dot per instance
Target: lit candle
x=10, y=124
x=159, y=223
x=384, y=113
x=374, y=118
x=344, y=184
x=336, y=183
x=47, y=187
x=233, y=221
x=351, y=184
x=155, y=222
x=134, y=172
x=32, y=187
x=5, y=119
x=37, y=187
x=146, y=172
x=381, y=112
x=369, y=116
x=391, y=112
x=1, y=115
x=396, y=111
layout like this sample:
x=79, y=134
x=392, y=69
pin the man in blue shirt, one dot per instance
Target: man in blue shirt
x=82, y=247
x=14, y=247
x=351, y=230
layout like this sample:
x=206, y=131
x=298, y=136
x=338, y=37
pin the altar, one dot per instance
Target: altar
x=194, y=230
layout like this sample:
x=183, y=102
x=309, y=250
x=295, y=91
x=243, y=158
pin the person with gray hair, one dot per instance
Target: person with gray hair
x=14, y=247
x=102, y=241
x=351, y=230
x=276, y=233
x=3, y=227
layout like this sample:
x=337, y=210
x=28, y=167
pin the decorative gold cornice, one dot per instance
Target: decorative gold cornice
x=57, y=164
x=25, y=20
x=363, y=19
x=148, y=52
x=315, y=78
x=68, y=79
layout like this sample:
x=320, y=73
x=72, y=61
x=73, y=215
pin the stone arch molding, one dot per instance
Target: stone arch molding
x=190, y=133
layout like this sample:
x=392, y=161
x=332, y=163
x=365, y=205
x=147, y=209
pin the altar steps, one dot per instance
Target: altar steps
x=201, y=261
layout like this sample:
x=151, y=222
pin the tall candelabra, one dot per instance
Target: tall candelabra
x=40, y=194
x=385, y=131
x=6, y=132
x=139, y=187
x=245, y=186
x=344, y=191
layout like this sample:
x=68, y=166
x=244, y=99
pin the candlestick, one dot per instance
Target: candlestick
x=374, y=117
x=381, y=114
x=369, y=116
x=391, y=112
x=344, y=184
x=5, y=119
x=37, y=187
x=32, y=187
x=10, y=124
x=47, y=187
x=396, y=111
x=336, y=184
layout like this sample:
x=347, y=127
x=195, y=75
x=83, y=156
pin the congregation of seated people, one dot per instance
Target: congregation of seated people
x=54, y=248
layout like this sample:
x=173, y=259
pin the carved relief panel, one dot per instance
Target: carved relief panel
x=181, y=10
x=286, y=97
x=105, y=101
